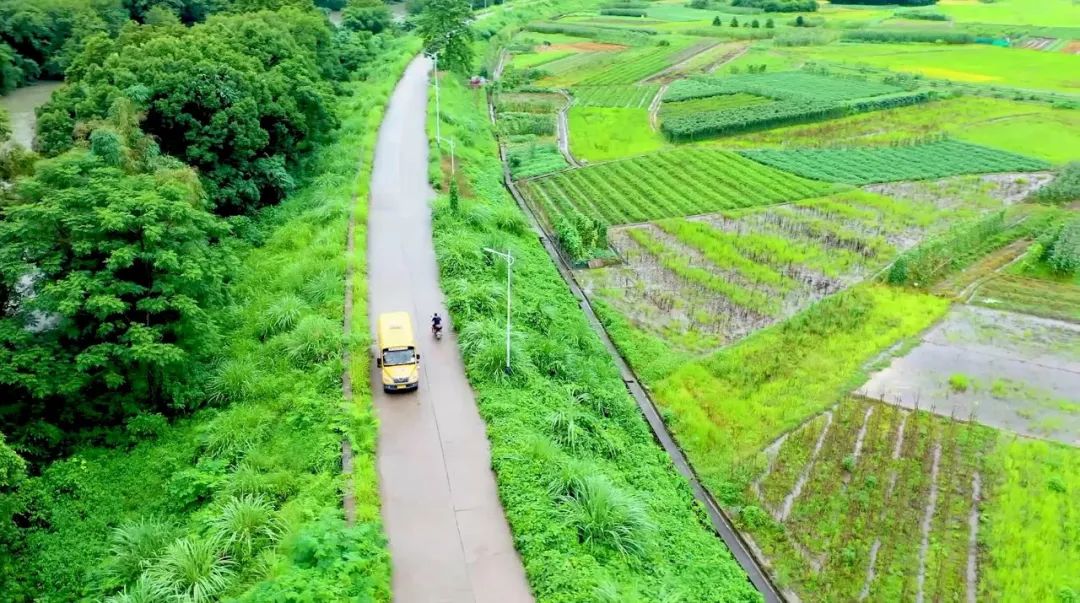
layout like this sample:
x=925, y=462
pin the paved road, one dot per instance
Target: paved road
x=449, y=540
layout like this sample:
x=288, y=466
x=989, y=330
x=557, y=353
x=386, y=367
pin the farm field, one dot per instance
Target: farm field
x=721, y=277
x=1013, y=12
x=869, y=351
x=602, y=133
x=528, y=123
x=633, y=97
x=930, y=160
x=1027, y=128
x=972, y=63
x=658, y=185
x=1009, y=371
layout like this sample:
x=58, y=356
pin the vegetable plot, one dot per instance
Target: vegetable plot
x=778, y=113
x=717, y=278
x=614, y=96
x=781, y=86
x=666, y=184
x=885, y=164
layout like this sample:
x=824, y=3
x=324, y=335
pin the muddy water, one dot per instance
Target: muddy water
x=20, y=105
x=1023, y=372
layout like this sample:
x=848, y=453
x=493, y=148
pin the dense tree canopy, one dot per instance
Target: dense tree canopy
x=188, y=11
x=240, y=98
x=367, y=15
x=39, y=38
x=109, y=259
x=444, y=26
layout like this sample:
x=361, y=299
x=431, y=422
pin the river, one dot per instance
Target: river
x=20, y=105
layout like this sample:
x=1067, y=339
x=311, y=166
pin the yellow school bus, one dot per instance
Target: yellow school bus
x=398, y=359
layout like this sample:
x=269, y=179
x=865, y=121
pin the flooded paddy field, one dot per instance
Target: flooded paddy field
x=1010, y=371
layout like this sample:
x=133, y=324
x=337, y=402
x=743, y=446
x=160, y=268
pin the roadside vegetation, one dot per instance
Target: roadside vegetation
x=172, y=373
x=591, y=499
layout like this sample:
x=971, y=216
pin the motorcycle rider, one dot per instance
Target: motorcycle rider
x=436, y=323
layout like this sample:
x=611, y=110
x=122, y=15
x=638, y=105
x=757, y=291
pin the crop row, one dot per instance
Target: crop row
x=539, y=124
x=614, y=96
x=886, y=164
x=782, y=112
x=578, y=62
x=785, y=85
x=670, y=184
x=669, y=110
x=758, y=301
x=865, y=494
x=635, y=65
x=534, y=159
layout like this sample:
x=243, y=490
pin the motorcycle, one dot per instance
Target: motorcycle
x=436, y=331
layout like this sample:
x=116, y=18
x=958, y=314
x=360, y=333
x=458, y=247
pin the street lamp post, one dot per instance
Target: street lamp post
x=509, y=262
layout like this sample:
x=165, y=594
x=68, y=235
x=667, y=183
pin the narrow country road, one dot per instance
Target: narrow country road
x=449, y=540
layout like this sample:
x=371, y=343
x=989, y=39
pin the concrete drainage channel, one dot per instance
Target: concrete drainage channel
x=739, y=547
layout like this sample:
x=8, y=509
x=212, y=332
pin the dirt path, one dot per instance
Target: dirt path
x=562, y=131
x=449, y=540
x=654, y=108
x=724, y=60
x=928, y=518
x=789, y=500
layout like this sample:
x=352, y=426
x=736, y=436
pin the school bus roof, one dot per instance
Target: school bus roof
x=395, y=330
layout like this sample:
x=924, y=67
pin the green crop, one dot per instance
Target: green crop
x=885, y=164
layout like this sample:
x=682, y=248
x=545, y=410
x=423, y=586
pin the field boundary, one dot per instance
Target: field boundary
x=740, y=549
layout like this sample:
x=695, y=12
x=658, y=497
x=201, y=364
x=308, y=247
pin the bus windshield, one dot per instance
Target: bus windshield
x=394, y=357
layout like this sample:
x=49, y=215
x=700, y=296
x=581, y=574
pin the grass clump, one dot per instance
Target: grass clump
x=959, y=382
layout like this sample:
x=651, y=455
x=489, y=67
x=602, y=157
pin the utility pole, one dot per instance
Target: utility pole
x=509, y=262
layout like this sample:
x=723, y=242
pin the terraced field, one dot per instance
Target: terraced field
x=667, y=184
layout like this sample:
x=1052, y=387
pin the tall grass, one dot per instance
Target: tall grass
x=589, y=496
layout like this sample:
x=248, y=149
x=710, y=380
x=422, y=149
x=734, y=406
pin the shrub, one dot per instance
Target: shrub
x=1062, y=254
x=779, y=6
x=147, y=426
x=1065, y=188
x=623, y=12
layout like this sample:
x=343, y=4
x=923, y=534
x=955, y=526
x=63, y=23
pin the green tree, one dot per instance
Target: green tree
x=734, y=22
x=716, y=21
x=160, y=15
x=114, y=259
x=800, y=21
x=366, y=15
x=188, y=11
x=444, y=27
x=769, y=23
x=241, y=97
x=755, y=24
